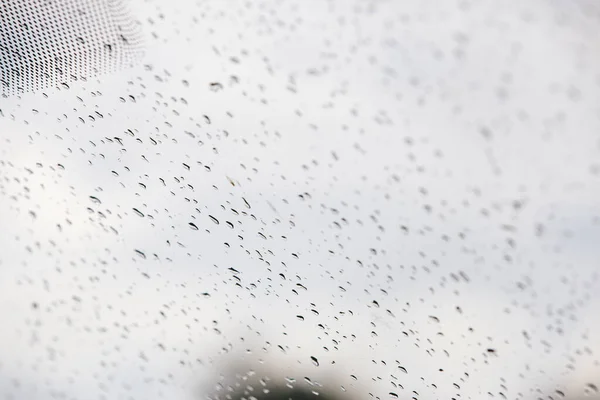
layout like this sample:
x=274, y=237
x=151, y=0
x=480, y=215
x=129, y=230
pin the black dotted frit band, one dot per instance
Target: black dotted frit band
x=44, y=43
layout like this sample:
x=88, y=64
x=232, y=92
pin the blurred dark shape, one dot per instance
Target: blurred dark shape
x=48, y=43
x=242, y=377
x=278, y=393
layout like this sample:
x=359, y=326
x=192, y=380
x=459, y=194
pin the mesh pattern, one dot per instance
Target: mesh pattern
x=45, y=43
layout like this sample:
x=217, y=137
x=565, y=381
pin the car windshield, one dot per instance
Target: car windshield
x=285, y=199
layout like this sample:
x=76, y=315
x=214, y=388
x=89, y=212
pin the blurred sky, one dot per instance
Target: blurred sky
x=380, y=148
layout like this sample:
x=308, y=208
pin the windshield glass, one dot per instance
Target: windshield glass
x=299, y=199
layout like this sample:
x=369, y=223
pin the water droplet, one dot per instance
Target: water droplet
x=213, y=219
x=215, y=86
x=246, y=203
x=140, y=253
x=315, y=361
x=95, y=200
x=193, y=226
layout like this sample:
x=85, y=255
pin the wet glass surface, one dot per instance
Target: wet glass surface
x=354, y=199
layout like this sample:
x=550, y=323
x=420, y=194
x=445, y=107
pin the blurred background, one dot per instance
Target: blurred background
x=300, y=199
